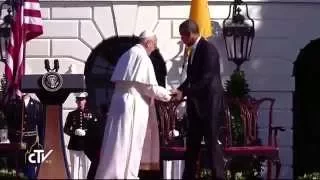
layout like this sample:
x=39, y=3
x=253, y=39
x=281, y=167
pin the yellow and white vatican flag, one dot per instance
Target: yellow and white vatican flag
x=199, y=12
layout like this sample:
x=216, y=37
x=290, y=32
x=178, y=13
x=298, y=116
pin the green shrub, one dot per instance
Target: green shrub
x=11, y=174
x=314, y=175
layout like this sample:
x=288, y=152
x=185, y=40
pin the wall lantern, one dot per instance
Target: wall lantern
x=5, y=30
x=238, y=33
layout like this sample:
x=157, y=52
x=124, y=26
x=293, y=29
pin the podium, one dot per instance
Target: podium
x=53, y=89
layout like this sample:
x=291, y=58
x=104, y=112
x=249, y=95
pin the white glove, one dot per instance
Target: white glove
x=80, y=132
x=174, y=133
x=6, y=141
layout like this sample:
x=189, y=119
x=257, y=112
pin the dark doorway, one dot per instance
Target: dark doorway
x=306, y=110
x=99, y=68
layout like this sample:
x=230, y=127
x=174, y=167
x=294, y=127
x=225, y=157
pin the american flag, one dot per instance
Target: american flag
x=27, y=25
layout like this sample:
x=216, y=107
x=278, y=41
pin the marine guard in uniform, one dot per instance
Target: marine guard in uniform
x=26, y=124
x=76, y=126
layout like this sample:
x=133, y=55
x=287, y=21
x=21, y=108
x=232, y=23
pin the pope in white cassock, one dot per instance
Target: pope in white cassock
x=135, y=88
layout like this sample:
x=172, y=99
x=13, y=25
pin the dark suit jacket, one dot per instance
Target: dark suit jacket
x=203, y=84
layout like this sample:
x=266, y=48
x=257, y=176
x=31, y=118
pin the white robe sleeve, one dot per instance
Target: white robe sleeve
x=135, y=66
x=156, y=92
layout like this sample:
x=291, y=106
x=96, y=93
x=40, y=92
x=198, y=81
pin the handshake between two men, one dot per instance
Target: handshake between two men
x=176, y=95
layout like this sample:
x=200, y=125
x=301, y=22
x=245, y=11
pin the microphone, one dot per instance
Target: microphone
x=47, y=65
x=56, y=65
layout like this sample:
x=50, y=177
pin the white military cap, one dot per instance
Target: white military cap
x=81, y=95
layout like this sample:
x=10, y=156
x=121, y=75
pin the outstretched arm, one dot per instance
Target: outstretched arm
x=156, y=92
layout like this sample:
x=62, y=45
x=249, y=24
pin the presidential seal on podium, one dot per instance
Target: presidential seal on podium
x=52, y=81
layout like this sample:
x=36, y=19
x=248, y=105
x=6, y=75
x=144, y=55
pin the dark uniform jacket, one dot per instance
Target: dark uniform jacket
x=94, y=137
x=75, y=120
x=33, y=121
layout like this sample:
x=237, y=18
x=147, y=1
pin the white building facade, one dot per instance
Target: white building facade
x=73, y=28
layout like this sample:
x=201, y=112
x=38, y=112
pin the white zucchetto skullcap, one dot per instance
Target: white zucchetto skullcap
x=146, y=34
x=81, y=95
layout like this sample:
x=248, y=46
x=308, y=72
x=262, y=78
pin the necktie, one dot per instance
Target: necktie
x=189, y=67
x=190, y=57
x=189, y=62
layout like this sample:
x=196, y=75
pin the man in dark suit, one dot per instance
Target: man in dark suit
x=204, y=93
